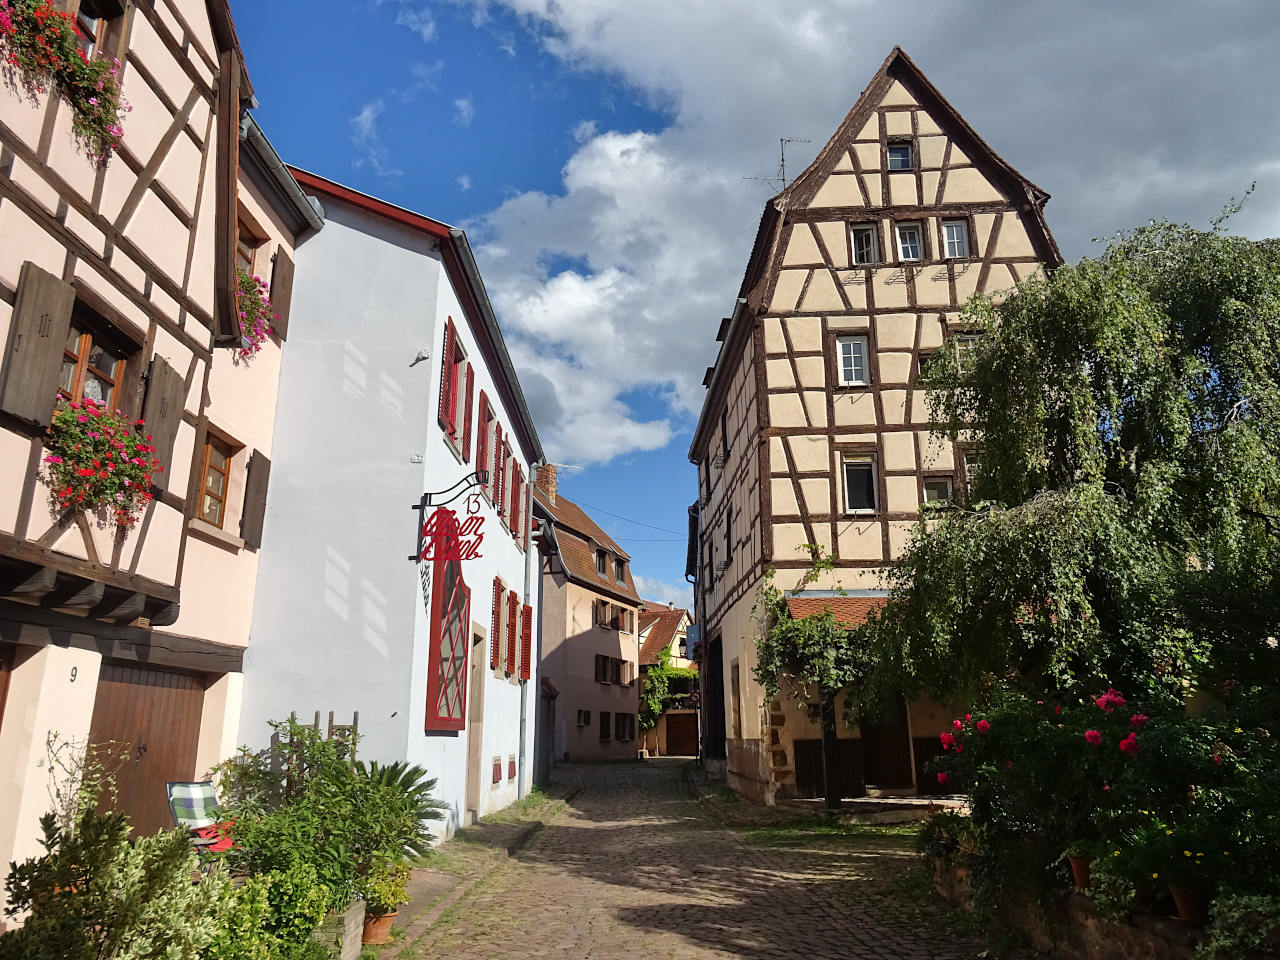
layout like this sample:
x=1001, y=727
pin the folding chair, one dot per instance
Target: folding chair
x=195, y=808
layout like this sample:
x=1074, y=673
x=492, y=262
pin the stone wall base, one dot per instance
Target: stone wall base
x=1070, y=927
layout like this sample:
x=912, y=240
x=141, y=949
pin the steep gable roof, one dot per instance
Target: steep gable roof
x=574, y=533
x=662, y=624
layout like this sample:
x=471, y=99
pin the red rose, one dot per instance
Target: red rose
x=1093, y=736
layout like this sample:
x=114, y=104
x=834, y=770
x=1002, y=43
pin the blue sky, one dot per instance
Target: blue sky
x=596, y=150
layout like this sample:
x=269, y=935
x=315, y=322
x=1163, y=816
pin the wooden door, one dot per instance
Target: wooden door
x=682, y=735
x=154, y=715
x=886, y=751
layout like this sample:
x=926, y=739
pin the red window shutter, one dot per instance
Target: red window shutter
x=497, y=468
x=526, y=642
x=513, y=608
x=516, y=481
x=495, y=645
x=448, y=378
x=466, y=417
x=482, y=433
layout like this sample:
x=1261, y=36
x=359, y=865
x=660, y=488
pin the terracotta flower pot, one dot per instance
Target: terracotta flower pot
x=1080, y=871
x=377, y=927
x=1190, y=904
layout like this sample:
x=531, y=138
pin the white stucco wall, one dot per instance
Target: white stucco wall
x=339, y=620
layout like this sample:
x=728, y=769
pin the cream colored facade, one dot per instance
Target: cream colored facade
x=815, y=429
x=96, y=621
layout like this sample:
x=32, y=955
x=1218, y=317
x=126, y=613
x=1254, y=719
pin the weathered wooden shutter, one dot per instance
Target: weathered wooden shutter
x=466, y=416
x=495, y=637
x=526, y=642
x=513, y=611
x=255, y=499
x=37, y=334
x=282, y=291
x=482, y=433
x=226, y=166
x=447, y=379
x=162, y=414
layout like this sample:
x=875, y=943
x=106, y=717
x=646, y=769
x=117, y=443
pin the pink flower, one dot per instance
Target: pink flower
x=1105, y=787
x=1130, y=745
x=943, y=779
x=948, y=741
x=1057, y=708
x=959, y=747
x=957, y=724
x=1138, y=720
x=1093, y=736
x=983, y=727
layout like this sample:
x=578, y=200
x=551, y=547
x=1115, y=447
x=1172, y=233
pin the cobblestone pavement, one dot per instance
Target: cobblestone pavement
x=634, y=869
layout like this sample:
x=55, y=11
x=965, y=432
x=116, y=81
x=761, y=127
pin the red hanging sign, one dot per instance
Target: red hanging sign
x=444, y=537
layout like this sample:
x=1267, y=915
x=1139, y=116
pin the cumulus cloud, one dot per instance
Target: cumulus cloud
x=662, y=591
x=464, y=111
x=613, y=286
x=366, y=137
x=414, y=15
x=464, y=182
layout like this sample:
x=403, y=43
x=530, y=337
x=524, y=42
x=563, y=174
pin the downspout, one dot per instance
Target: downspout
x=528, y=582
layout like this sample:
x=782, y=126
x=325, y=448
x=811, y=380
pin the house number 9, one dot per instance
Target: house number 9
x=74, y=671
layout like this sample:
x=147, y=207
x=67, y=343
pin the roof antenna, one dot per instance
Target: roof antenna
x=779, y=180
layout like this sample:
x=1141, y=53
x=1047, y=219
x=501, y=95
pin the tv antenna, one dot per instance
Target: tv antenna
x=779, y=180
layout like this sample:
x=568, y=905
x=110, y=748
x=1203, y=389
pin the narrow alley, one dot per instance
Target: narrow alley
x=634, y=868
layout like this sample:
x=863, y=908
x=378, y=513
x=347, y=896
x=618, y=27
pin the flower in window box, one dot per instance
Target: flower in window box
x=256, y=317
x=96, y=458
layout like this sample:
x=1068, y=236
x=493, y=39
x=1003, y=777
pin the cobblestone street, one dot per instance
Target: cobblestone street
x=635, y=868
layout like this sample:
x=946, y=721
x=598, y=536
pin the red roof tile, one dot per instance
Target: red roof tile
x=573, y=530
x=665, y=622
x=849, y=611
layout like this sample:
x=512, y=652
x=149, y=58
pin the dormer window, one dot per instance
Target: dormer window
x=602, y=563
x=900, y=156
x=619, y=570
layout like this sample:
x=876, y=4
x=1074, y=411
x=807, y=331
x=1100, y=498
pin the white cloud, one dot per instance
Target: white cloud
x=464, y=111
x=464, y=182
x=414, y=15
x=426, y=78
x=616, y=283
x=366, y=137
x=664, y=591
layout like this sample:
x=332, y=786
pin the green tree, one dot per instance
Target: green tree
x=1122, y=527
x=663, y=685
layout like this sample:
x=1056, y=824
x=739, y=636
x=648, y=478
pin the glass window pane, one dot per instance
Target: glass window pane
x=900, y=156
x=217, y=458
x=104, y=358
x=864, y=245
x=909, y=242
x=215, y=483
x=937, y=491
x=97, y=389
x=211, y=511
x=73, y=340
x=68, y=374
x=860, y=485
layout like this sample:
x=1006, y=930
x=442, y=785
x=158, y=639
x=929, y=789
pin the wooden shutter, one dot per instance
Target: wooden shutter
x=482, y=432
x=255, y=499
x=526, y=642
x=282, y=291
x=162, y=414
x=466, y=417
x=497, y=467
x=495, y=637
x=226, y=209
x=448, y=380
x=516, y=480
x=513, y=610
x=37, y=334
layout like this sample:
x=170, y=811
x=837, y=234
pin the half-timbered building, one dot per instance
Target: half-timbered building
x=815, y=432
x=118, y=285
x=398, y=385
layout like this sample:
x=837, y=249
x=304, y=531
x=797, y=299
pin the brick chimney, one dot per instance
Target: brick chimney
x=546, y=482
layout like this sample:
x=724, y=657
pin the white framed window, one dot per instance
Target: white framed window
x=938, y=490
x=866, y=249
x=851, y=359
x=900, y=156
x=972, y=470
x=859, y=484
x=910, y=246
x=955, y=238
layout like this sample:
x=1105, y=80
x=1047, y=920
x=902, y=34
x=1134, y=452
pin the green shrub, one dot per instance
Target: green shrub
x=385, y=888
x=272, y=915
x=416, y=786
x=94, y=895
x=1239, y=924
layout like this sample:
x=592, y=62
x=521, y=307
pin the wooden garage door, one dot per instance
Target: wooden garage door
x=155, y=714
x=682, y=734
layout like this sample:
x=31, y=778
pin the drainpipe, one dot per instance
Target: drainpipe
x=528, y=581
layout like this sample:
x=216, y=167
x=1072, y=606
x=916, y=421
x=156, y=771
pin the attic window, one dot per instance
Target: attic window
x=900, y=156
x=602, y=563
x=619, y=570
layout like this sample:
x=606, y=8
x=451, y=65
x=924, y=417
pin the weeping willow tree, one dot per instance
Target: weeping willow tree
x=1123, y=524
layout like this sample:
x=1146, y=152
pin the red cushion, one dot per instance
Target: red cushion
x=219, y=833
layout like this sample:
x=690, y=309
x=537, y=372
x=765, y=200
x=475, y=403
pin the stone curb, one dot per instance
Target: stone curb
x=422, y=924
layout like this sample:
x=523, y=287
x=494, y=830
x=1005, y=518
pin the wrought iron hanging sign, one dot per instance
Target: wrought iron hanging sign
x=441, y=534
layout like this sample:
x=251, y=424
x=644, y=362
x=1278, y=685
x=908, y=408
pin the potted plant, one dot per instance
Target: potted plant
x=384, y=889
x=1080, y=856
